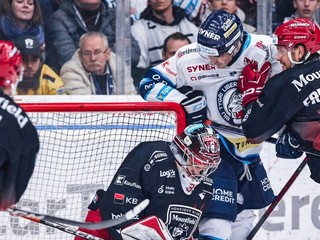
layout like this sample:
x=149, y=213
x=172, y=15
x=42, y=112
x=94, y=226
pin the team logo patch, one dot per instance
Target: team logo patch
x=118, y=198
x=120, y=179
x=229, y=102
x=158, y=156
x=183, y=221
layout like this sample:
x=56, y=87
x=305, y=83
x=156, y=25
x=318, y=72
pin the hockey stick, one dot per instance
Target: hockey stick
x=235, y=130
x=88, y=225
x=272, y=140
x=277, y=199
x=63, y=228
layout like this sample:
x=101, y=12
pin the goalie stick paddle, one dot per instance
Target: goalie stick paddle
x=277, y=199
x=87, y=225
x=64, y=228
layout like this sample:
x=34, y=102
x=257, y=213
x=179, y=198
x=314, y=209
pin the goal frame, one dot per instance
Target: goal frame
x=111, y=106
x=73, y=195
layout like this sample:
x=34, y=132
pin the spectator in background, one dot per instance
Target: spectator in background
x=47, y=8
x=172, y=43
x=136, y=7
x=287, y=10
x=70, y=21
x=21, y=17
x=195, y=10
x=158, y=20
x=92, y=68
x=213, y=5
x=250, y=9
x=230, y=6
x=283, y=8
x=38, y=78
x=304, y=9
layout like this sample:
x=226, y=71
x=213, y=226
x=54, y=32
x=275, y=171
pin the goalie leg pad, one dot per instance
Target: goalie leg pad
x=149, y=228
x=94, y=216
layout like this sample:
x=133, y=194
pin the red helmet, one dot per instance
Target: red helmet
x=200, y=148
x=10, y=64
x=298, y=31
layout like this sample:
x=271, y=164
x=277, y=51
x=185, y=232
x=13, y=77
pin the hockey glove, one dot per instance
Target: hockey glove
x=287, y=146
x=195, y=105
x=252, y=81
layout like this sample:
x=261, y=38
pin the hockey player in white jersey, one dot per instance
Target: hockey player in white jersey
x=203, y=78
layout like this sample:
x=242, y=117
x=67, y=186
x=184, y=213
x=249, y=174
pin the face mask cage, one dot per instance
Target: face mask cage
x=196, y=170
x=199, y=161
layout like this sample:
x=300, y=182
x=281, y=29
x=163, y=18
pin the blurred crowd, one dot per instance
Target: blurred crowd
x=68, y=46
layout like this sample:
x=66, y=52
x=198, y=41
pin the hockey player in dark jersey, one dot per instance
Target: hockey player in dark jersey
x=288, y=102
x=174, y=176
x=19, y=141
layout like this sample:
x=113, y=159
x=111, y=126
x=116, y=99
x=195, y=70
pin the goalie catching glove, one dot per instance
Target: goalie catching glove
x=149, y=228
x=252, y=81
x=194, y=105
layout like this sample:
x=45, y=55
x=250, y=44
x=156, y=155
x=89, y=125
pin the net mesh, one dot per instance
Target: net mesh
x=79, y=153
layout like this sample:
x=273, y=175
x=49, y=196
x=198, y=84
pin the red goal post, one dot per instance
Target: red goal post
x=82, y=145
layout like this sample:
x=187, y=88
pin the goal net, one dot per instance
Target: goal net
x=82, y=145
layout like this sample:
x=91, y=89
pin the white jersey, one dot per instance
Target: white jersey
x=219, y=86
x=190, y=7
x=151, y=35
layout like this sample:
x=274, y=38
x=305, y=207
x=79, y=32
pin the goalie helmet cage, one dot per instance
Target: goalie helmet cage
x=82, y=145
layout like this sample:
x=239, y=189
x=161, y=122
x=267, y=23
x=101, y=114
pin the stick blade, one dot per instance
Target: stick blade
x=87, y=225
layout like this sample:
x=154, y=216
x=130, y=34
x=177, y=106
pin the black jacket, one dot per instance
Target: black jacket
x=19, y=145
x=64, y=29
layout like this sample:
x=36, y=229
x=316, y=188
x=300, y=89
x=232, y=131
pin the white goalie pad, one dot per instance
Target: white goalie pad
x=149, y=228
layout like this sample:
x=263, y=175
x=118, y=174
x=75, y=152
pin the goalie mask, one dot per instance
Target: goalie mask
x=219, y=33
x=197, y=153
x=298, y=31
x=10, y=66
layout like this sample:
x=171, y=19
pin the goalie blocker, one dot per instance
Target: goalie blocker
x=175, y=176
